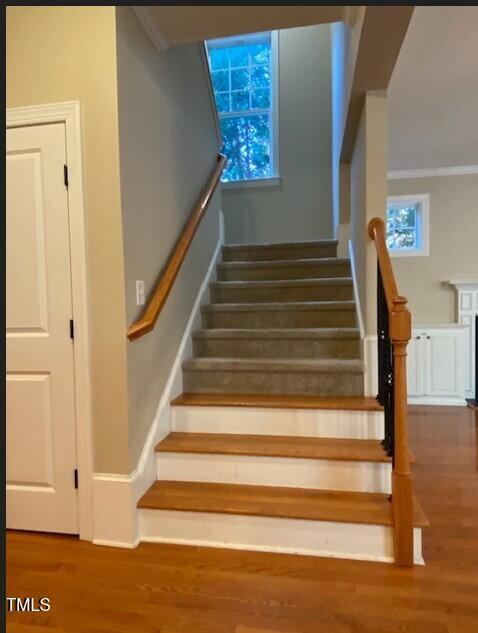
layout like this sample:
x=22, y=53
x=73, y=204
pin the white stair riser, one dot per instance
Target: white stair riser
x=266, y=421
x=322, y=474
x=295, y=536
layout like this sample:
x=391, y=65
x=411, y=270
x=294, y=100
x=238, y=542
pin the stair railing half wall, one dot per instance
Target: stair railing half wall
x=151, y=312
x=393, y=334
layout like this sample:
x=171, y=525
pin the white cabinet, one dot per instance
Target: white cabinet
x=436, y=365
x=415, y=374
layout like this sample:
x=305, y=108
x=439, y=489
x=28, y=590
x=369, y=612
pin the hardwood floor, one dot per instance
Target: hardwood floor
x=175, y=589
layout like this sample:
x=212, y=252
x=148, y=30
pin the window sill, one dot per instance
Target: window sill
x=274, y=181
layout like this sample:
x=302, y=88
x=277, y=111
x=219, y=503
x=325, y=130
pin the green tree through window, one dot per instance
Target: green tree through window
x=241, y=78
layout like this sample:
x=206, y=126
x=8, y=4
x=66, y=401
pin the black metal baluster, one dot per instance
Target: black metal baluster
x=385, y=366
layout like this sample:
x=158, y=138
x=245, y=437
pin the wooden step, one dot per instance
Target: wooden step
x=348, y=403
x=292, y=503
x=289, y=250
x=274, y=446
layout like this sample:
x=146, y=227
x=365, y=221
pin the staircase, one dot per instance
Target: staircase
x=273, y=445
x=282, y=321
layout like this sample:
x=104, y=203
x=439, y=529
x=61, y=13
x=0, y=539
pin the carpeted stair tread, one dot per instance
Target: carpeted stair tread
x=279, y=245
x=279, y=306
x=277, y=333
x=292, y=250
x=283, y=283
x=274, y=365
x=281, y=263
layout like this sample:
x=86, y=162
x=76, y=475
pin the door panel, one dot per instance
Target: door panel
x=41, y=425
x=445, y=374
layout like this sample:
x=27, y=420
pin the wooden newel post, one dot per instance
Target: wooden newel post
x=402, y=493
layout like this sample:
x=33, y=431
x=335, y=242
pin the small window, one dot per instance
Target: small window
x=244, y=79
x=407, y=225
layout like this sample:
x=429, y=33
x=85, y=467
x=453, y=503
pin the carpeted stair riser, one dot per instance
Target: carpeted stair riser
x=309, y=316
x=273, y=383
x=247, y=292
x=298, y=269
x=305, y=250
x=257, y=347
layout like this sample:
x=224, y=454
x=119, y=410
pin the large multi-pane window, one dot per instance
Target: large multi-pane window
x=243, y=72
x=407, y=225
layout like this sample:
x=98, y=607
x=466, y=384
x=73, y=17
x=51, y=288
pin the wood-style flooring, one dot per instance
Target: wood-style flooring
x=175, y=589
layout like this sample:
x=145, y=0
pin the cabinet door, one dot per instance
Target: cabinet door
x=415, y=366
x=445, y=363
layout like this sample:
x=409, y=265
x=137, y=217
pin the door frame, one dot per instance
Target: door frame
x=69, y=114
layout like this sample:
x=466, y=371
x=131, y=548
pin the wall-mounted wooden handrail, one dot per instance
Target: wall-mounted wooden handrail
x=399, y=333
x=151, y=312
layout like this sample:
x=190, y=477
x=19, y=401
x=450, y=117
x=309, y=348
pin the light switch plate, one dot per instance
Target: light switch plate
x=139, y=292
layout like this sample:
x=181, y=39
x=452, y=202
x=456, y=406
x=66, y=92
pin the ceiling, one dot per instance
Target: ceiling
x=433, y=93
x=168, y=25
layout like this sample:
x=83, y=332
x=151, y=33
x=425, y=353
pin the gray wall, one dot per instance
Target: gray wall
x=453, y=245
x=368, y=199
x=300, y=208
x=66, y=53
x=168, y=148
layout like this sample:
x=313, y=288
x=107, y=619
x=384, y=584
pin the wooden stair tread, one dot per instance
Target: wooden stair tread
x=354, y=403
x=278, y=502
x=274, y=446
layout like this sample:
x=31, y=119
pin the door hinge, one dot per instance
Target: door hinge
x=76, y=478
x=72, y=329
x=65, y=175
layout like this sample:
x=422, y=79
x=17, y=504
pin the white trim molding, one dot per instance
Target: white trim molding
x=358, y=307
x=273, y=109
x=421, y=201
x=115, y=496
x=461, y=170
x=212, y=99
x=370, y=357
x=466, y=311
x=253, y=183
x=69, y=114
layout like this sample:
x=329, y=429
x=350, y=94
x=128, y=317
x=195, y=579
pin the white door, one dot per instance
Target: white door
x=41, y=426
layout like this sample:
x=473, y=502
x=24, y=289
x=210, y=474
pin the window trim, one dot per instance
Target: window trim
x=250, y=38
x=250, y=183
x=422, y=202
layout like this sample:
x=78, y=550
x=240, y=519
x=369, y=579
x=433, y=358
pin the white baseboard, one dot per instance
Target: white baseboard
x=370, y=357
x=115, y=497
x=440, y=401
x=358, y=306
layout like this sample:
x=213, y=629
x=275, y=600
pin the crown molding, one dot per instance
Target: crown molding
x=462, y=170
x=146, y=16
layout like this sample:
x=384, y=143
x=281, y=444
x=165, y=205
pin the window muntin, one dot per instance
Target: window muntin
x=242, y=78
x=402, y=227
x=407, y=225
